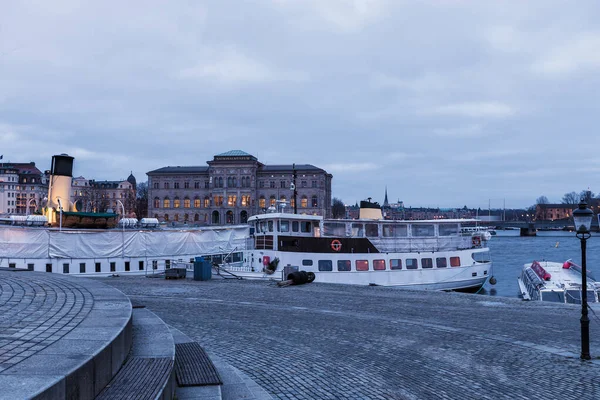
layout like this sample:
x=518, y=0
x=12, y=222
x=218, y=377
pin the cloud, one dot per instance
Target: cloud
x=350, y=167
x=467, y=131
x=579, y=53
x=231, y=66
x=475, y=110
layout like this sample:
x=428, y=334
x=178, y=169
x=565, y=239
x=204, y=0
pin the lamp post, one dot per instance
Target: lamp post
x=582, y=217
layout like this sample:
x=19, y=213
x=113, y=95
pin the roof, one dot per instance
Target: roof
x=234, y=153
x=89, y=214
x=290, y=167
x=179, y=170
x=25, y=168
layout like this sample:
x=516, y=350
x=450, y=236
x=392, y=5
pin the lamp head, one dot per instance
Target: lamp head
x=582, y=218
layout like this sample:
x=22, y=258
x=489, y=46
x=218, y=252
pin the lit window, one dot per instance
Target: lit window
x=272, y=201
x=196, y=203
x=232, y=200
x=166, y=203
x=186, y=203
x=206, y=202
x=379, y=265
x=362, y=265
x=315, y=202
x=304, y=202
x=262, y=202
x=176, y=202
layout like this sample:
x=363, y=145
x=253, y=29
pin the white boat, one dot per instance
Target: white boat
x=556, y=282
x=428, y=254
x=485, y=231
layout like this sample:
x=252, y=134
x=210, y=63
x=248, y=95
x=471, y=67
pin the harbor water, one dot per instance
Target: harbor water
x=509, y=252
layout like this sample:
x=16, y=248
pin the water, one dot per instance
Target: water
x=509, y=252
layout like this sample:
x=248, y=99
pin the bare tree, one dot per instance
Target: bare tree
x=542, y=200
x=587, y=195
x=338, y=209
x=141, y=207
x=571, y=198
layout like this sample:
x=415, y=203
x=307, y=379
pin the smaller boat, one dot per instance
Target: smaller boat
x=483, y=232
x=556, y=282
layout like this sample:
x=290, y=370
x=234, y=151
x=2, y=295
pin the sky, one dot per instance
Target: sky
x=446, y=103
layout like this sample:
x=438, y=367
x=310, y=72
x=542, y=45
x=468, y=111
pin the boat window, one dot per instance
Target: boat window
x=270, y=224
x=344, y=265
x=371, y=230
x=362, y=265
x=294, y=226
x=379, y=265
x=426, y=263
x=400, y=230
x=395, y=263
x=441, y=262
x=388, y=230
x=334, y=229
x=557, y=297
x=455, y=261
x=285, y=226
x=325, y=265
x=307, y=262
x=305, y=226
x=423, y=230
x=448, y=229
x=263, y=226
x=411, y=263
x=358, y=230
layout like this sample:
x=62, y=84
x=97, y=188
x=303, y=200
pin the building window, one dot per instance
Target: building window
x=232, y=200
x=176, y=217
x=262, y=202
x=261, y=184
x=141, y=265
x=65, y=268
x=362, y=265
x=282, y=185
x=113, y=266
x=196, y=203
x=166, y=203
x=155, y=185
x=220, y=182
x=245, y=200
x=292, y=203
x=314, y=184
x=48, y=267
x=344, y=265
x=218, y=201
x=98, y=267
x=303, y=184
x=186, y=217
x=82, y=268
x=196, y=185
x=206, y=185
x=229, y=217
x=304, y=202
x=166, y=185
x=186, y=203
x=196, y=217
x=30, y=267
x=315, y=202
x=272, y=184
x=176, y=185
x=272, y=200
x=166, y=218
x=127, y=266
x=186, y=185
x=176, y=202
x=156, y=202
x=206, y=202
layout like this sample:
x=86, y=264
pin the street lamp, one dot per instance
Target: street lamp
x=582, y=217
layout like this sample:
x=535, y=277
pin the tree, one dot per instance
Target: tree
x=338, y=209
x=571, y=198
x=141, y=201
x=542, y=200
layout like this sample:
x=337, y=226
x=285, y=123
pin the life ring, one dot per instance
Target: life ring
x=336, y=245
x=476, y=240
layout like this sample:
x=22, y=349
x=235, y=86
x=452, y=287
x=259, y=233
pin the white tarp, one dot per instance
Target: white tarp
x=44, y=243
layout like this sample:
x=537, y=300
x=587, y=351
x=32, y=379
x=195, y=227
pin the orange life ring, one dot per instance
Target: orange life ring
x=336, y=245
x=476, y=240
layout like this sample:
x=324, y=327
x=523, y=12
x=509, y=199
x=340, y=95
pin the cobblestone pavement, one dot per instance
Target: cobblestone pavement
x=35, y=312
x=320, y=341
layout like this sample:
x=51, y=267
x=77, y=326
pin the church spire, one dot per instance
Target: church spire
x=385, y=202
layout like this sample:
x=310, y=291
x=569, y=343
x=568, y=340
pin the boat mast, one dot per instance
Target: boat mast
x=294, y=188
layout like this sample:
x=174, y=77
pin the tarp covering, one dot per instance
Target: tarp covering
x=44, y=243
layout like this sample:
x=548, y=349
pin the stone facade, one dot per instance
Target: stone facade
x=233, y=187
x=89, y=195
x=23, y=188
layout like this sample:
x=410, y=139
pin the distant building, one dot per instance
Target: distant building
x=23, y=188
x=551, y=212
x=233, y=187
x=89, y=195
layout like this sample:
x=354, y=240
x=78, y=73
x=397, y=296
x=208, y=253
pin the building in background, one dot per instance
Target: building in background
x=23, y=188
x=233, y=187
x=89, y=195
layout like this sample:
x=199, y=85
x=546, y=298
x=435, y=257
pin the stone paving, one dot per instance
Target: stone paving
x=320, y=341
x=36, y=311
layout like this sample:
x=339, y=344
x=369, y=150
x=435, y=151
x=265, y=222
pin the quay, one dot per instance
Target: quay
x=312, y=341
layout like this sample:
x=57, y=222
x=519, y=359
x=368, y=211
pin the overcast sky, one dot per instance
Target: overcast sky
x=448, y=103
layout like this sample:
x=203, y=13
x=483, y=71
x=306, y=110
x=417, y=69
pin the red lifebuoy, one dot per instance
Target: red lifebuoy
x=336, y=245
x=476, y=240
